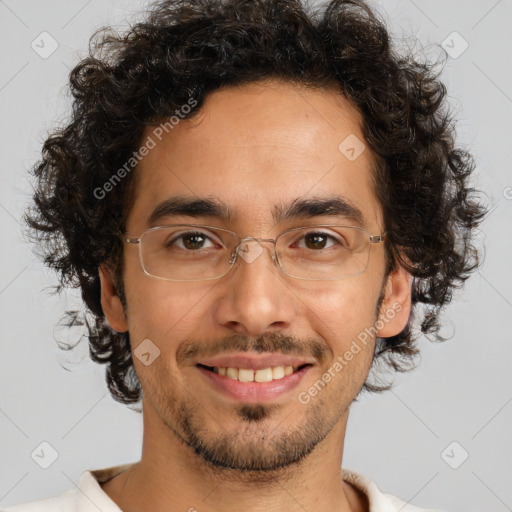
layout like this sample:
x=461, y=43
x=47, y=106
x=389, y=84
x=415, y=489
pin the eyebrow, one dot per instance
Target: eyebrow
x=299, y=209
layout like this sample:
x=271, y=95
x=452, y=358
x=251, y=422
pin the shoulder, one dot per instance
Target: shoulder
x=379, y=501
x=403, y=506
x=66, y=502
x=88, y=496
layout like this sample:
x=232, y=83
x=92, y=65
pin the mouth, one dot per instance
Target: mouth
x=253, y=385
x=251, y=375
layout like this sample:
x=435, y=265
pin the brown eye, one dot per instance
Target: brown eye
x=316, y=240
x=191, y=241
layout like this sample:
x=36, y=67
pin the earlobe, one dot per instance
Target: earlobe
x=396, y=306
x=111, y=302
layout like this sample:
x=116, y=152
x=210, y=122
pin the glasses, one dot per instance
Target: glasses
x=195, y=252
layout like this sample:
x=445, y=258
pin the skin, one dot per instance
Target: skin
x=252, y=147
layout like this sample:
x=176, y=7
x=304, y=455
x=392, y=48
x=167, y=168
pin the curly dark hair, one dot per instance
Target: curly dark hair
x=186, y=49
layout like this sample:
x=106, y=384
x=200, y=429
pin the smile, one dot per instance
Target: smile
x=253, y=386
x=249, y=375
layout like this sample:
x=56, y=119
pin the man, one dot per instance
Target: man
x=254, y=199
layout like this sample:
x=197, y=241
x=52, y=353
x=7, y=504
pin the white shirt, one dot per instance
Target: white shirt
x=90, y=497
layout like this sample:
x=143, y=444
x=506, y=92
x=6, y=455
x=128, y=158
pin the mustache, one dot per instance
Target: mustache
x=274, y=342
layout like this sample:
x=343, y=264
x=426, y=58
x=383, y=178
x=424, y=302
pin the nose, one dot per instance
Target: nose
x=253, y=298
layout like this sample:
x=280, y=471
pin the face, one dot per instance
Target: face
x=256, y=150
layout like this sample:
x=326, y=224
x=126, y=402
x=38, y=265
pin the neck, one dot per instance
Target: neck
x=170, y=476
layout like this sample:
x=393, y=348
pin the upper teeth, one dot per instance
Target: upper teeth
x=263, y=375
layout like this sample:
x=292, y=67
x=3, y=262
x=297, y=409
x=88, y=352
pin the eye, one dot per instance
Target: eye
x=317, y=240
x=191, y=241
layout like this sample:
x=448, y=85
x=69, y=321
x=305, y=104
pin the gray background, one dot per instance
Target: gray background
x=462, y=390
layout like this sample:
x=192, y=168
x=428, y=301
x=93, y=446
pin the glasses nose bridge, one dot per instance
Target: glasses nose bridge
x=251, y=238
x=240, y=248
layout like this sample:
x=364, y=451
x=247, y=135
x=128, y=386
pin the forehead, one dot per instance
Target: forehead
x=256, y=149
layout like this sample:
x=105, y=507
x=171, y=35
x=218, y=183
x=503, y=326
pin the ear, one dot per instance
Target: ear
x=396, y=305
x=110, y=302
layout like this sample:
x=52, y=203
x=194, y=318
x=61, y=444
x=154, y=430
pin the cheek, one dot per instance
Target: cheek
x=341, y=311
x=163, y=311
x=161, y=315
x=343, y=315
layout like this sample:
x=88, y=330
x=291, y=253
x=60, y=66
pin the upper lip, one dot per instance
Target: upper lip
x=254, y=361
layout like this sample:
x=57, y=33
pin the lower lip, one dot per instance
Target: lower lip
x=254, y=391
